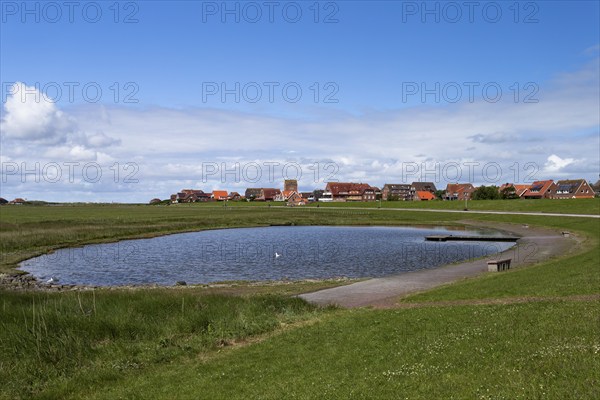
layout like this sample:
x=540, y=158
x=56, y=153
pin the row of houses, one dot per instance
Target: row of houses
x=416, y=191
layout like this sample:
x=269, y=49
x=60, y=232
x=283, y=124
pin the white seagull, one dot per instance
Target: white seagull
x=277, y=255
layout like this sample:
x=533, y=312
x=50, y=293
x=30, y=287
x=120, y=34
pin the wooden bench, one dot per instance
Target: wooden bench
x=498, y=265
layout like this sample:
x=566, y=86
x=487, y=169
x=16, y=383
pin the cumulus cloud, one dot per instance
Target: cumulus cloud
x=33, y=124
x=554, y=163
x=31, y=116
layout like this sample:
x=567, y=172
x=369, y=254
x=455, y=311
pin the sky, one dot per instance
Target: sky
x=107, y=101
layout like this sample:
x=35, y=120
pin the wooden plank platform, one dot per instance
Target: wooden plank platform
x=446, y=238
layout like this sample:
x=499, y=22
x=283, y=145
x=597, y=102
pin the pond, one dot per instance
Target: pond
x=270, y=253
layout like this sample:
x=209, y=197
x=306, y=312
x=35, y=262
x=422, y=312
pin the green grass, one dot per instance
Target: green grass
x=254, y=341
x=564, y=206
x=61, y=342
x=531, y=351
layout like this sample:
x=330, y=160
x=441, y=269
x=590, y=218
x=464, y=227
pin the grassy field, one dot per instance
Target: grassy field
x=258, y=342
x=568, y=206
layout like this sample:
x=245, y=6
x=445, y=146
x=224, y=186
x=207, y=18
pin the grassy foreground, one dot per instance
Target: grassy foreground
x=197, y=343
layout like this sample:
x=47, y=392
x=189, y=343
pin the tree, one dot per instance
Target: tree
x=509, y=193
x=486, y=193
x=440, y=194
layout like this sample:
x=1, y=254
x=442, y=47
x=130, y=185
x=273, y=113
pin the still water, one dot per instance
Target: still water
x=271, y=253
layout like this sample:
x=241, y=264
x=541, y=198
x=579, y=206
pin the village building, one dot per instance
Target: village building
x=290, y=185
x=573, y=189
x=398, y=191
x=252, y=193
x=269, y=194
x=540, y=190
x=459, y=191
x=191, y=196
x=424, y=195
x=518, y=188
x=234, y=196
x=424, y=187
x=348, y=191
x=220, y=195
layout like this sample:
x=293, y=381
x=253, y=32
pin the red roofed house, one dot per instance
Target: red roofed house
x=348, y=191
x=219, y=195
x=295, y=199
x=234, y=196
x=459, y=191
x=540, y=190
x=269, y=194
x=424, y=195
x=519, y=189
x=190, y=196
x=573, y=189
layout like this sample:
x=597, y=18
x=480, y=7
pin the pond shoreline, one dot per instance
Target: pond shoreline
x=537, y=244
x=25, y=281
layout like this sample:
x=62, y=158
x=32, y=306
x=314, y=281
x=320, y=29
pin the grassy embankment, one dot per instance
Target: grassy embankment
x=178, y=343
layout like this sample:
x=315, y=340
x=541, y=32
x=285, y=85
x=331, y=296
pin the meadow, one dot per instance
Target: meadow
x=528, y=333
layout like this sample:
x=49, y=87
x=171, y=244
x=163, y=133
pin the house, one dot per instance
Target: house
x=269, y=194
x=307, y=195
x=296, y=199
x=190, y=196
x=252, y=193
x=3, y=201
x=18, y=201
x=424, y=195
x=540, y=190
x=155, y=201
x=424, y=187
x=459, y=191
x=317, y=194
x=220, y=195
x=348, y=191
x=398, y=191
x=234, y=196
x=573, y=189
x=596, y=187
x=519, y=189
x=369, y=194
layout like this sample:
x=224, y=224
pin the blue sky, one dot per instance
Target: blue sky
x=173, y=52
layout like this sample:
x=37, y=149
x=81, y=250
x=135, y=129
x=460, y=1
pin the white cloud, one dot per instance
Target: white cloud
x=30, y=116
x=555, y=163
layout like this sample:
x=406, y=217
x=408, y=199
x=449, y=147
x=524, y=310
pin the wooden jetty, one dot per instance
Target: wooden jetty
x=447, y=238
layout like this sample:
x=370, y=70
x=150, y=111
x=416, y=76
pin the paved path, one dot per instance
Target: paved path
x=535, y=245
x=543, y=214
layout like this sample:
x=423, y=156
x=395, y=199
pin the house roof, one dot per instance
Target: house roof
x=519, y=189
x=341, y=188
x=459, y=187
x=538, y=188
x=425, y=195
x=397, y=186
x=569, y=185
x=270, y=192
x=218, y=194
x=424, y=186
x=288, y=193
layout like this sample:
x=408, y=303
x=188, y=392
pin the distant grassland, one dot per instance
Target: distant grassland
x=562, y=206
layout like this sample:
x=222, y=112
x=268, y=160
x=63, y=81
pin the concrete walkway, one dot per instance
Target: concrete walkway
x=535, y=245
